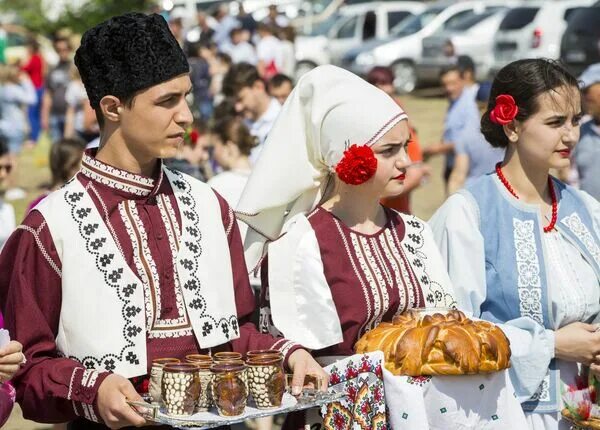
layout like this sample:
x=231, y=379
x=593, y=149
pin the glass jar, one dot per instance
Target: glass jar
x=228, y=389
x=180, y=388
x=156, y=372
x=204, y=362
x=267, y=380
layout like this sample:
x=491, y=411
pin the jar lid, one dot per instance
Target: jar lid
x=260, y=352
x=218, y=356
x=264, y=360
x=180, y=368
x=196, y=358
x=165, y=360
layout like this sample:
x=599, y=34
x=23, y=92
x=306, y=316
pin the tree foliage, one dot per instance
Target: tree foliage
x=32, y=15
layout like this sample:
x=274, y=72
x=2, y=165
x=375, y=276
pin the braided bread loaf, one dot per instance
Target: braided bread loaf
x=438, y=344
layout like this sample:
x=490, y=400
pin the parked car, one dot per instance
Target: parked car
x=403, y=50
x=580, y=45
x=534, y=30
x=351, y=27
x=472, y=36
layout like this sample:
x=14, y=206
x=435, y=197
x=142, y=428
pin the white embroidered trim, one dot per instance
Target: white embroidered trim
x=366, y=273
x=231, y=221
x=574, y=223
x=362, y=284
x=528, y=270
x=157, y=328
x=124, y=211
x=106, y=218
x=286, y=347
x=113, y=171
x=89, y=378
x=403, y=281
x=38, y=241
x=71, y=383
x=543, y=392
x=115, y=183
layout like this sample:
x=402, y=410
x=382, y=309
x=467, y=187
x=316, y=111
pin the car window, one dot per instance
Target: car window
x=585, y=21
x=570, y=11
x=396, y=17
x=348, y=29
x=369, y=26
x=471, y=21
x=518, y=18
x=458, y=17
x=416, y=22
x=323, y=28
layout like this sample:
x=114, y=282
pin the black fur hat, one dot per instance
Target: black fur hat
x=126, y=54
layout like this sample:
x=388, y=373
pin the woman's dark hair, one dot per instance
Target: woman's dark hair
x=232, y=129
x=65, y=156
x=3, y=146
x=380, y=75
x=525, y=81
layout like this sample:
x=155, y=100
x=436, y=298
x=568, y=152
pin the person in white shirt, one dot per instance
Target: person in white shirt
x=232, y=144
x=270, y=52
x=243, y=84
x=7, y=213
x=241, y=51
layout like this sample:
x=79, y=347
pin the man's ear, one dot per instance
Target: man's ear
x=111, y=108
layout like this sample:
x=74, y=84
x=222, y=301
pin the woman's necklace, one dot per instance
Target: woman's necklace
x=506, y=184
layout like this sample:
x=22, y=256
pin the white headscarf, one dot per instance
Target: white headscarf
x=328, y=110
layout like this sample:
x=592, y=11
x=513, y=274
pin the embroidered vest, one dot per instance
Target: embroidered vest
x=102, y=322
x=516, y=271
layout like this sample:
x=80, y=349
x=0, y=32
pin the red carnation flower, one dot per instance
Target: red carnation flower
x=357, y=165
x=505, y=110
x=194, y=135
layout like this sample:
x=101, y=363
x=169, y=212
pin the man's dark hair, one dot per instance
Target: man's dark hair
x=279, y=79
x=524, y=80
x=3, y=146
x=465, y=64
x=449, y=69
x=239, y=76
x=127, y=102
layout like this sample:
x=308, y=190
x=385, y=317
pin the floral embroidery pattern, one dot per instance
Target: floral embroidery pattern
x=364, y=407
x=574, y=223
x=528, y=271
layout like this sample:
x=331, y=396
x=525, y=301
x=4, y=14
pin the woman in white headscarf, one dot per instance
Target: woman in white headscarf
x=339, y=263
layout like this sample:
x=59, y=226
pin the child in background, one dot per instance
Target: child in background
x=65, y=161
x=7, y=213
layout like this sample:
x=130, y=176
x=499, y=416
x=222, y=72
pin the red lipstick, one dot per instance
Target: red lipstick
x=400, y=177
x=565, y=153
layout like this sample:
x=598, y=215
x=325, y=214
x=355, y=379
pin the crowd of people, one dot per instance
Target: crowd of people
x=156, y=144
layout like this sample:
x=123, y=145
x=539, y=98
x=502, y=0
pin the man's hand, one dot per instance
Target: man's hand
x=11, y=358
x=303, y=364
x=112, y=406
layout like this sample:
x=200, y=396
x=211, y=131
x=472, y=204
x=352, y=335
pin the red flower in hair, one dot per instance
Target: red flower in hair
x=505, y=110
x=357, y=165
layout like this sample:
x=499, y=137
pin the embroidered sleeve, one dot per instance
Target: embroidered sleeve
x=49, y=388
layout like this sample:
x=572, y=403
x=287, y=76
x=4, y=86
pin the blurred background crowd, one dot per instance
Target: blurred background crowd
x=436, y=59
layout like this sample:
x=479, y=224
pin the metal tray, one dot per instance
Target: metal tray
x=206, y=420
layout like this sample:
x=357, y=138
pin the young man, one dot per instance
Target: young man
x=280, y=87
x=130, y=261
x=243, y=84
x=462, y=115
x=54, y=104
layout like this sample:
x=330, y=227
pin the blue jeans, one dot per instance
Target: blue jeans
x=56, y=125
x=34, y=113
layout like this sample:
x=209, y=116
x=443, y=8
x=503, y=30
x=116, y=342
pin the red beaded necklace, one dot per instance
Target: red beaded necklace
x=505, y=182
